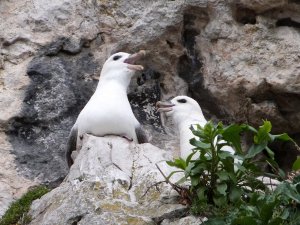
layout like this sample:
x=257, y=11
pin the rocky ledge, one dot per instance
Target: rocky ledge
x=113, y=181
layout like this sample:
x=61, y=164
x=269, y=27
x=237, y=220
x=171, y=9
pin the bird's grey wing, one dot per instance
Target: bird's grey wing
x=141, y=135
x=71, y=145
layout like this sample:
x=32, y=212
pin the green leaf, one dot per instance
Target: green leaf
x=233, y=177
x=222, y=144
x=281, y=173
x=296, y=164
x=223, y=175
x=235, y=194
x=220, y=200
x=225, y=154
x=240, y=168
x=276, y=221
x=198, y=131
x=198, y=169
x=214, y=221
x=205, y=155
x=262, y=136
x=188, y=159
x=188, y=169
x=199, y=144
x=254, y=198
x=298, y=188
x=281, y=137
x=285, y=214
x=270, y=152
x=245, y=220
x=182, y=180
x=171, y=163
x=254, y=150
x=201, y=194
x=173, y=172
x=232, y=134
x=266, y=211
x=179, y=163
x=195, y=180
x=250, y=128
x=228, y=164
x=289, y=191
x=221, y=188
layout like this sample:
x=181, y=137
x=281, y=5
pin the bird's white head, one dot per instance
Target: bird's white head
x=181, y=108
x=120, y=66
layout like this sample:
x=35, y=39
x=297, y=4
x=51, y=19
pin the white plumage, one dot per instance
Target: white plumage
x=185, y=112
x=108, y=112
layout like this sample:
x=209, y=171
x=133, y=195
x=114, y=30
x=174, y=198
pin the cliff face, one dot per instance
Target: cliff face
x=238, y=59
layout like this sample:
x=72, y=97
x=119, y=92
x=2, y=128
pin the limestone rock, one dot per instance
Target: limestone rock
x=112, y=181
x=12, y=185
x=239, y=59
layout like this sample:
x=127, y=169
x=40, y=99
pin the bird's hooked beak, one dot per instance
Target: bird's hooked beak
x=133, y=58
x=164, y=106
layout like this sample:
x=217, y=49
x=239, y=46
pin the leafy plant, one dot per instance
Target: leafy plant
x=17, y=212
x=279, y=207
x=225, y=181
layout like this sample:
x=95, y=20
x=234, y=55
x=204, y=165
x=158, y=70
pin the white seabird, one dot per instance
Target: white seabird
x=185, y=112
x=108, y=112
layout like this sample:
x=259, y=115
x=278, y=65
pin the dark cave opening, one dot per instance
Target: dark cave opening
x=288, y=22
x=245, y=16
x=294, y=1
x=170, y=43
x=190, y=65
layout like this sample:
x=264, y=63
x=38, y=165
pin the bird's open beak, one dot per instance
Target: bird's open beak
x=164, y=106
x=133, y=58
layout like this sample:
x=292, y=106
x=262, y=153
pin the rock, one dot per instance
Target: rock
x=238, y=59
x=112, y=181
x=188, y=220
x=12, y=185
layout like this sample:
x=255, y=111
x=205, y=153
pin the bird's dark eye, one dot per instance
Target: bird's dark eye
x=116, y=57
x=181, y=100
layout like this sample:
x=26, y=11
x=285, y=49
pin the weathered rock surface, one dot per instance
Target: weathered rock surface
x=238, y=59
x=12, y=185
x=113, y=181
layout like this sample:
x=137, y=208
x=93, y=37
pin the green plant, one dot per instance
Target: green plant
x=17, y=212
x=221, y=181
x=278, y=207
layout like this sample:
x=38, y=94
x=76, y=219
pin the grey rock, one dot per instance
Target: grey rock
x=112, y=181
x=238, y=59
x=40, y=131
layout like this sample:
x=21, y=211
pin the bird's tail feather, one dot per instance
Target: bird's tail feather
x=71, y=145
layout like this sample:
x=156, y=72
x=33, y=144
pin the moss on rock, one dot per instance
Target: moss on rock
x=17, y=212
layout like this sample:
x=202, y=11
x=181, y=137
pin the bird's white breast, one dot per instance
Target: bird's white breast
x=108, y=112
x=185, y=136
